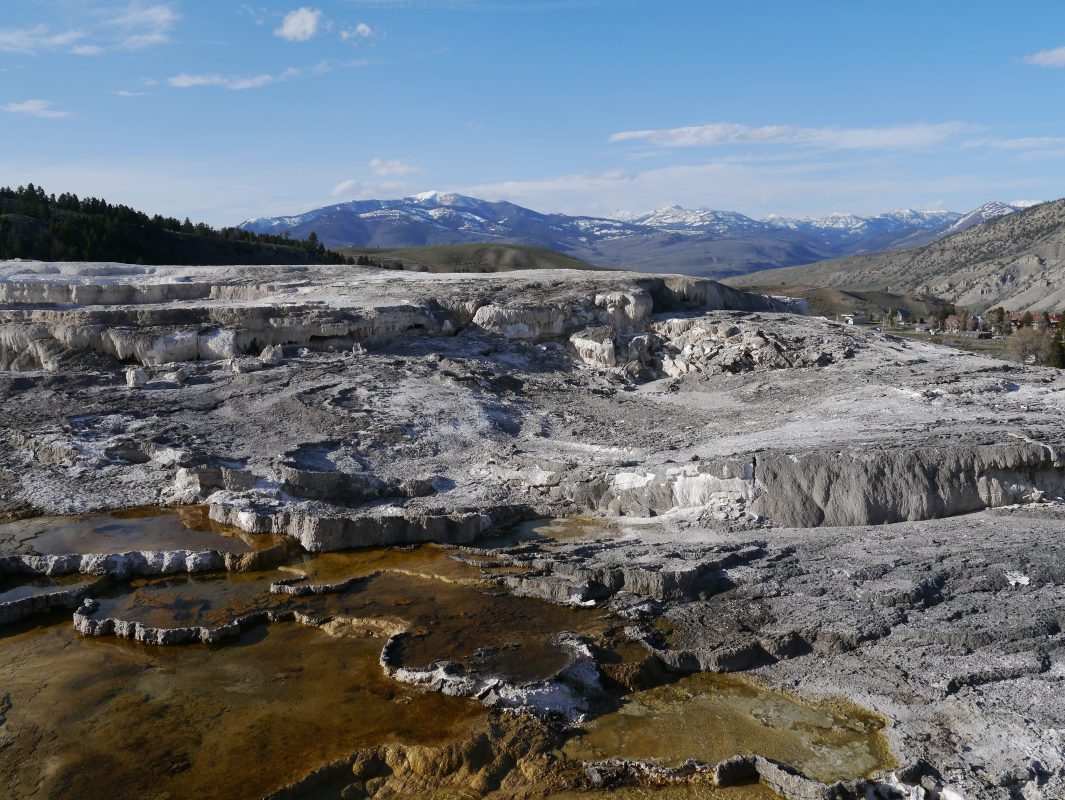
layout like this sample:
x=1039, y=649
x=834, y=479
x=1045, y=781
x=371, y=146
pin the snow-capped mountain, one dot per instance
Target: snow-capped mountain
x=672, y=239
x=676, y=218
x=854, y=225
x=692, y=220
x=851, y=233
x=985, y=213
x=437, y=218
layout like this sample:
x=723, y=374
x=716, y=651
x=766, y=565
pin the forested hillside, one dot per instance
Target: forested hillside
x=37, y=225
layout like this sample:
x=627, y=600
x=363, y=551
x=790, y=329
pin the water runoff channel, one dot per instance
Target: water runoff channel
x=248, y=676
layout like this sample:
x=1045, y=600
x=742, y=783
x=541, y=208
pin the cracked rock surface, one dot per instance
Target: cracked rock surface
x=952, y=629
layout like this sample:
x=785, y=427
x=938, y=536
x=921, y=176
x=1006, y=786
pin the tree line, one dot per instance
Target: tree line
x=1032, y=338
x=364, y=260
x=47, y=227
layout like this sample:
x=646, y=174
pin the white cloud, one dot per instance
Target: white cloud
x=87, y=50
x=1047, y=58
x=41, y=109
x=29, y=41
x=395, y=166
x=127, y=93
x=299, y=25
x=832, y=138
x=241, y=82
x=360, y=31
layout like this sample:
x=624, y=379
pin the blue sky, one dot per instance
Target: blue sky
x=223, y=110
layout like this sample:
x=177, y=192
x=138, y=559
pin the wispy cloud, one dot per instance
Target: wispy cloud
x=241, y=82
x=896, y=137
x=804, y=186
x=233, y=82
x=1020, y=143
x=343, y=188
x=1047, y=58
x=128, y=93
x=35, y=39
x=137, y=26
x=359, y=190
x=257, y=13
x=1046, y=154
x=477, y=5
x=445, y=5
x=395, y=166
x=133, y=26
x=300, y=25
x=42, y=109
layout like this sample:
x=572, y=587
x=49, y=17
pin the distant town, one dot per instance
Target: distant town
x=1027, y=337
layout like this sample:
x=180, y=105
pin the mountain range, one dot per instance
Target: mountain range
x=695, y=241
x=1014, y=259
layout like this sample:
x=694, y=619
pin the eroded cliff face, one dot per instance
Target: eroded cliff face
x=158, y=315
x=317, y=410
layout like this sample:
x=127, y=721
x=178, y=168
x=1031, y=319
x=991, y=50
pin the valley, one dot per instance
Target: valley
x=701, y=242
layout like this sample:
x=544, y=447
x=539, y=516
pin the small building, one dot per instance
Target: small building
x=854, y=319
x=1016, y=319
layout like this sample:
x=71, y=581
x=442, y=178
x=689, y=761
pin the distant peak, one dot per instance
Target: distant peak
x=444, y=199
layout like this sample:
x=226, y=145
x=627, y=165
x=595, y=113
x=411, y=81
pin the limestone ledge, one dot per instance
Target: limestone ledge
x=87, y=625
x=745, y=769
x=320, y=527
x=807, y=489
x=564, y=580
x=62, y=598
x=48, y=319
x=142, y=563
x=563, y=699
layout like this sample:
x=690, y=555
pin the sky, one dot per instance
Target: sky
x=221, y=110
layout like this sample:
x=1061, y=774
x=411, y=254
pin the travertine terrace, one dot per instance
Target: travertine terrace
x=840, y=511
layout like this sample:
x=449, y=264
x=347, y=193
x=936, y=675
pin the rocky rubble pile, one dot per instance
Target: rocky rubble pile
x=711, y=344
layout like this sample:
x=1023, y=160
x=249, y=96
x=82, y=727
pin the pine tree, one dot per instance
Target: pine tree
x=1056, y=356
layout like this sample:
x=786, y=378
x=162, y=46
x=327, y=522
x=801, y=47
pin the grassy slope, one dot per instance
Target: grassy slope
x=1016, y=261
x=826, y=301
x=471, y=258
